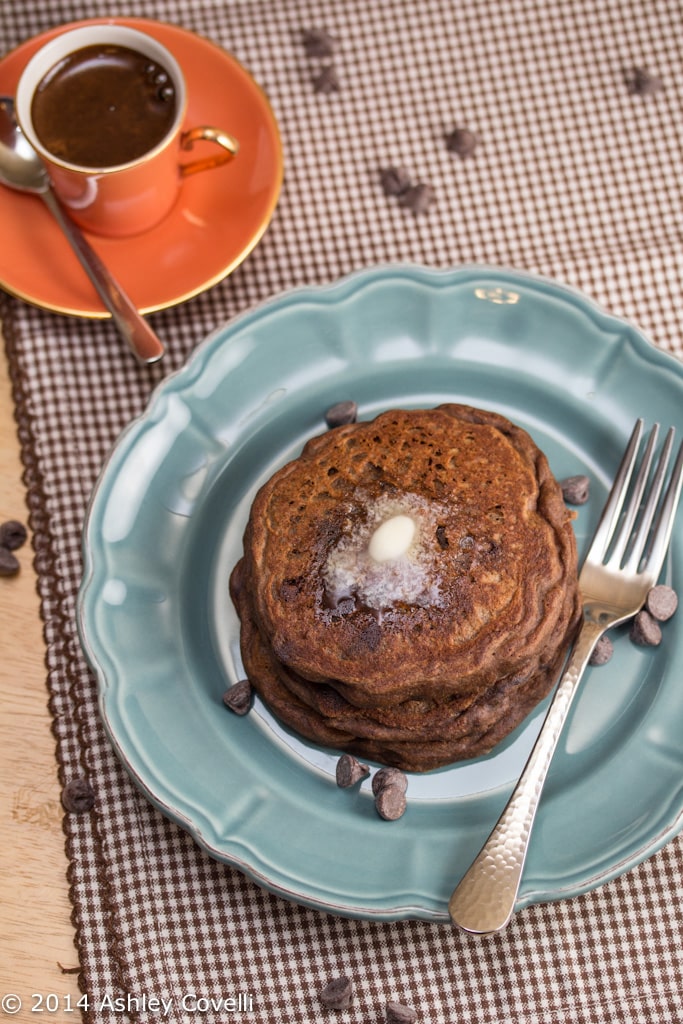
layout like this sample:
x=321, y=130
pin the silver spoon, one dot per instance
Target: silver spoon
x=21, y=168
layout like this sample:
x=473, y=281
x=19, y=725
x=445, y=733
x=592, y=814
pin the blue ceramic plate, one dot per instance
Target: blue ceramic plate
x=165, y=528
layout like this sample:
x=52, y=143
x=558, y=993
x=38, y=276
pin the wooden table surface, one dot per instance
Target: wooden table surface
x=36, y=934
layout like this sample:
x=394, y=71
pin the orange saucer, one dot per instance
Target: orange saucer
x=219, y=217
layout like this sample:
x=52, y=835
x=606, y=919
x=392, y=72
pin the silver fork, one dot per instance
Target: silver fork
x=623, y=563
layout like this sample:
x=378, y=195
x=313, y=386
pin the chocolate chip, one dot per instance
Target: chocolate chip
x=576, y=489
x=389, y=777
x=640, y=82
x=661, y=602
x=337, y=994
x=350, y=771
x=342, y=413
x=441, y=538
x=238, y=697
x=9, y=563
x=394, y=181
x=318, y=43
x=645, y=630
x=397, y=1013
x=326, y=80
x=461, y=141
x=602, y=652
x=12, y=534
x=417, y=198
x=78, y=796
x=390, y=803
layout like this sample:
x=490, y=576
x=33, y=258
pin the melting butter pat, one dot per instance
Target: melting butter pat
x=392, y=538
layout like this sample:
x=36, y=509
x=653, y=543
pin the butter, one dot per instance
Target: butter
x=392, y=538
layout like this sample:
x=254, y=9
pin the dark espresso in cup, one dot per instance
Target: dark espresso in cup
x=103, y=106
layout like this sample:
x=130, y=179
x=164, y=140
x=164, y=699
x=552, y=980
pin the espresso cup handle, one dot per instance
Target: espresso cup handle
x=228, y=147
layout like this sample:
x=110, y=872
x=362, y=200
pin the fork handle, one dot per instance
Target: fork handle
x=484, y=900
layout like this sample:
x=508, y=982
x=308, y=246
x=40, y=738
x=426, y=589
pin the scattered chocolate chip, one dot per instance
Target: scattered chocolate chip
x=602, y=652
x=390, y=803
x=350, y=771
x=78, y=796
x=342, y=413
x=441, y=538
x=389, y=777
x=394, y=180
x=661, y=602
x=318, y=43
x=461, y=141
x=326, y=80
x=417, y=198
x=576, y=489
x=9, y=563
x=337, y=994
x=640, y=82
x=397, y=1013
x=238, y=697
x=645, y=630
x=12, y=534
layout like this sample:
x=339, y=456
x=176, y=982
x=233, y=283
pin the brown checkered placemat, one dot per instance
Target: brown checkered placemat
x=576, y=176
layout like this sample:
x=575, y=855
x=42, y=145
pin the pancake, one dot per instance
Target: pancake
x=433, y=656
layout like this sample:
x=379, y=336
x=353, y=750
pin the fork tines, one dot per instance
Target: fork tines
x=628, y=530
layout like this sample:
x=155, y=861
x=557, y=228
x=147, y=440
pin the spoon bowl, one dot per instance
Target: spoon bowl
x=20, y=165
x=21, y=168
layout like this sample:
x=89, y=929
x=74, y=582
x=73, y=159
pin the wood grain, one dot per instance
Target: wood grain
x=36, y=934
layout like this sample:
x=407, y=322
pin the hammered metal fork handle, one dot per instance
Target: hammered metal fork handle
x=484, y=900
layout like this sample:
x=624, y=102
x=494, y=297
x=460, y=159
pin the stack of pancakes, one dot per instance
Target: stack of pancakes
x=432, y=656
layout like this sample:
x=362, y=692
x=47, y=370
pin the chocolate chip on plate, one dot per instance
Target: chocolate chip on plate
x=350, y=771
x=341, y=413
x=661, y=602
x=389, y=777
x=12, y=534
x=390, y=803
x=602, y=652
x=645, y=630
x=337, y=994
x=78, y=796
x=576, y=489
x=238, y=697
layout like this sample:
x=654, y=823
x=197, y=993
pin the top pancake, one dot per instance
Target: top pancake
x=489, y=583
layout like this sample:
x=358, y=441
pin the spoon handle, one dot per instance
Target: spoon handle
x=141, y=338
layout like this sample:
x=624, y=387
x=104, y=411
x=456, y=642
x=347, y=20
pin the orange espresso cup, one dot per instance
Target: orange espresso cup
x=132, y=194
